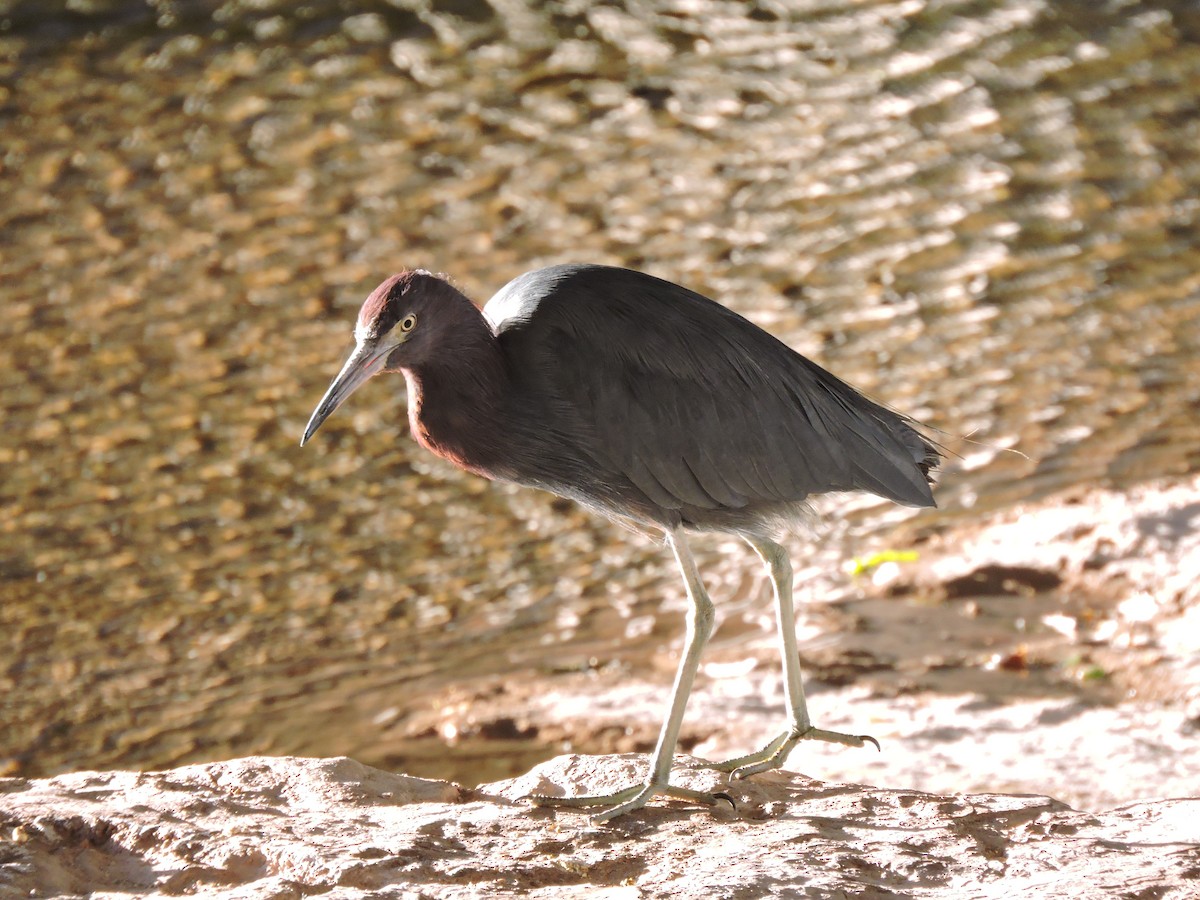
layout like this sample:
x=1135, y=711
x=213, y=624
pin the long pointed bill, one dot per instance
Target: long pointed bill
x=363, y=363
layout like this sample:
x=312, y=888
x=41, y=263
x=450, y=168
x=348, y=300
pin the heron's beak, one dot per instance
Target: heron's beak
x=363, y=363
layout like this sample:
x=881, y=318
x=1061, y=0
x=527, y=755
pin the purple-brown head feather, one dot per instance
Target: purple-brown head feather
x=383, y=308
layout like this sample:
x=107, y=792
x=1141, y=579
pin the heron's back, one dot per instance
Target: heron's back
x=651, y=401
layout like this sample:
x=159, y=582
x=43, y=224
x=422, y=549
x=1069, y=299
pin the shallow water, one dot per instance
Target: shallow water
x=984, y=214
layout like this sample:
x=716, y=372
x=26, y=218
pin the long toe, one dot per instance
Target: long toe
x=774, y=754
x=836, y=737
x=625, y=801
x=634, y=803
x=621, y=796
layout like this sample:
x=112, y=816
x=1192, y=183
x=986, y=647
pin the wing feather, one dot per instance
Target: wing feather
x=692, y=404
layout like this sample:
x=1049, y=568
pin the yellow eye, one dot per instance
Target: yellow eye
x=408, y=323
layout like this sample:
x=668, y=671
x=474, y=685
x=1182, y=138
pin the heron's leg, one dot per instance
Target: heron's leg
x=800, y=727
x=700, y=621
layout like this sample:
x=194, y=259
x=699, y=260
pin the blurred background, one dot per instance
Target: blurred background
x=985, y=214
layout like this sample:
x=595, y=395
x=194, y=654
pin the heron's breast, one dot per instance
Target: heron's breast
x=464, y=440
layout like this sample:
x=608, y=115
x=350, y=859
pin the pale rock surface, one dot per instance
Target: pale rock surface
x=291, y=827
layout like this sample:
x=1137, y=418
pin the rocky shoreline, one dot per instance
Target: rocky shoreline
x=287, y=827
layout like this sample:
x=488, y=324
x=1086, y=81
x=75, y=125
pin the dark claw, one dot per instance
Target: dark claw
x=721, y=795
x=867, y=737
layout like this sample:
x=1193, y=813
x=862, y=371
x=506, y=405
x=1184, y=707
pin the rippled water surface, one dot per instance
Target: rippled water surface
x=984, y=213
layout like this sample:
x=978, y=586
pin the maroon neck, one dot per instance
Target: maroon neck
x=456, y=405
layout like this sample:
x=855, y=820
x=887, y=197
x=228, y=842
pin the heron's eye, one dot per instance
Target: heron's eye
x=408, y=323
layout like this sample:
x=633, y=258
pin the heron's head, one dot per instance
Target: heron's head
x=400, y=326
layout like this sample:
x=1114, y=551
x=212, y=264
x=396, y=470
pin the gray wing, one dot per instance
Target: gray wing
x=692, y=403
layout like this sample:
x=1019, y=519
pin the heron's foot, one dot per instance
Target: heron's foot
x=776, y=752
x=630, y=799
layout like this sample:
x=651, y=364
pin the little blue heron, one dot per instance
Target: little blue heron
x=649, y=403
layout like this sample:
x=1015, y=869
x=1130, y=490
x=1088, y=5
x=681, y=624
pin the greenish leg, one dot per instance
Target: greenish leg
x=700, y=622
x=800, y=727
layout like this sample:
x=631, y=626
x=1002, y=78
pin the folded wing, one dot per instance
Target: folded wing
x=693, y=404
